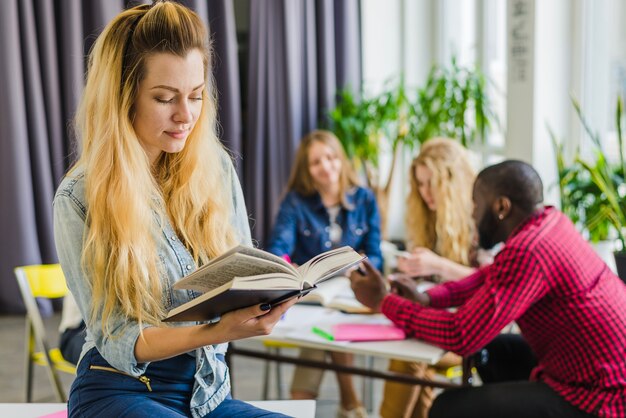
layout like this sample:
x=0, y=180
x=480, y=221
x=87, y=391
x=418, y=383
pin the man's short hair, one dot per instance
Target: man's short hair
x=516, y=180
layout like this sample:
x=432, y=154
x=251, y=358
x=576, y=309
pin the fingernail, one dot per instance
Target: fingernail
x=265, y=307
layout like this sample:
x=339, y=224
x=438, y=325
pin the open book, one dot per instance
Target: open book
x=336, y=293
x=246, y=276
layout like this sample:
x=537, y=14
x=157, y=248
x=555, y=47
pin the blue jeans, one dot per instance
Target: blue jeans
x=103, y=392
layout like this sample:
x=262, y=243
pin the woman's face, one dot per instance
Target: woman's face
x=423, y=176
x=169, y=100
x=324, y=165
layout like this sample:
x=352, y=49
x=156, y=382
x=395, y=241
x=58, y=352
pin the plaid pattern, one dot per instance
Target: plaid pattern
x=570, y=307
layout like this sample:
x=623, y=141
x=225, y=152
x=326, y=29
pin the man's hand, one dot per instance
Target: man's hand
x=370, y=288
x=404, y=286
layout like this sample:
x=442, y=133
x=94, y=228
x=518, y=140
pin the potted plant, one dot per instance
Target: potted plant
x=452, y=103
x=593, y=191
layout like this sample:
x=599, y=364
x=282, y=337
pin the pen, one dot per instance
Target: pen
x=323, y=334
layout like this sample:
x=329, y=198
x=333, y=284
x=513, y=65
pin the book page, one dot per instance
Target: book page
x=336, y=293
x=257, y=253
x=325, y=292
x=329, y=264
x=219, y=272
x=270, y=280
x=348, y=305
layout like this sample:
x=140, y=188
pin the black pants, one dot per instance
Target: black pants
x=504, y=366
x=71, y=343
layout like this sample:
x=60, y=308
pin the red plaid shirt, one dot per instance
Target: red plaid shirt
x=569, y=306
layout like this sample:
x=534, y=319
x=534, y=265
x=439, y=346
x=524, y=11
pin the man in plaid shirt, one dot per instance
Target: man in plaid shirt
x=570, y=307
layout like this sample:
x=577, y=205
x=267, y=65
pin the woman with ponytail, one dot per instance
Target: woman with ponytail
x=152, y=196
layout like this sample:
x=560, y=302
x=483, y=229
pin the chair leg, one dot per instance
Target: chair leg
x=279, y=378
x=55, y=379
x=28, y=362
x=53, y=375
x=266, y=380
x=368, y=387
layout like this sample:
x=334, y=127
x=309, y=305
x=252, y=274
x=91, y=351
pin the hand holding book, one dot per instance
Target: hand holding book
x=246, y=276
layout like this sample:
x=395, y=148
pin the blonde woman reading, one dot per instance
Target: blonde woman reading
x=152, y=196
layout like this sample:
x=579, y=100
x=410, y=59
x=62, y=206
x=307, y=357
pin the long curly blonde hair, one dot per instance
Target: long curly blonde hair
x=449, y=230
x=123, y=190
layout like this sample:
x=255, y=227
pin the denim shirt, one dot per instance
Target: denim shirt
x=302, y=226
x=212, y=382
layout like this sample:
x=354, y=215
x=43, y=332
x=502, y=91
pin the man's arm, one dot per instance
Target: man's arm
x=510, y=287
x=455, y=293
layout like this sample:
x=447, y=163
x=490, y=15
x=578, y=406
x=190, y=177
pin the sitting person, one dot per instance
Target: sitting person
x=440, y=231
x=442, y=241
x=323, y=209
x=152, y=196
x=568, y=304
x=72, y=330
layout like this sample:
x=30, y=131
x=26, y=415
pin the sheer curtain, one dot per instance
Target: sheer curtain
x=300, y=53
x=43, y=45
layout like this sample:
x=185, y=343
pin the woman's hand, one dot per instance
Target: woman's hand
x=252, y=321
x=159, y=343
x=421, y=262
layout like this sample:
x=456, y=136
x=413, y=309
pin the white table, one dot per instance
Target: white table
x=304, y=409
x=296, y=329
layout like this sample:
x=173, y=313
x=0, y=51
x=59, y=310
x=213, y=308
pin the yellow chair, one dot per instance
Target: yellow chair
x=45, y=281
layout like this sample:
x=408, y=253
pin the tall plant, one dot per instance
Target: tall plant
x=592, y=190
x=453, y=103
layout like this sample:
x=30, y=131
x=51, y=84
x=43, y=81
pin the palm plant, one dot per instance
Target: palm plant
x=593, y=193
x=607, y=177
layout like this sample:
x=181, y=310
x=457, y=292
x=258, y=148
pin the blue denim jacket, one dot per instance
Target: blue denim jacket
x=302, y=226
x=212, y=383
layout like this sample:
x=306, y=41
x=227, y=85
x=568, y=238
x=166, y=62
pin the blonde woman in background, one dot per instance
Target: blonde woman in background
x=442, y=242
x=152, y=197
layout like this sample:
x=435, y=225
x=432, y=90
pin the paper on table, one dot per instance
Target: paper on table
x=366, y=332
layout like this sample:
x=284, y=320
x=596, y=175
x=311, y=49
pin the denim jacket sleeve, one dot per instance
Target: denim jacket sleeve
x=283, y=238
x=371, y=241
x=69, y=226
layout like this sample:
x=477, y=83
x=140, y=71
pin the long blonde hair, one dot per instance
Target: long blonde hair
x=123, y=191
x=300, y=179
x=449, y=230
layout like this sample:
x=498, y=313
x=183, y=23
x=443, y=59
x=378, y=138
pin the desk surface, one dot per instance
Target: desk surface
x=295, y=328
x=304, y=409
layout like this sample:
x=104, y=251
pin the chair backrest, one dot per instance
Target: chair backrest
x=44, y=280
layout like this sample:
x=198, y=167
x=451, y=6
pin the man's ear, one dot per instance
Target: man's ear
x=501, y=207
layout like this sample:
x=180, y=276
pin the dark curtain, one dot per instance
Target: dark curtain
x=300, y=53
x=43, y=45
